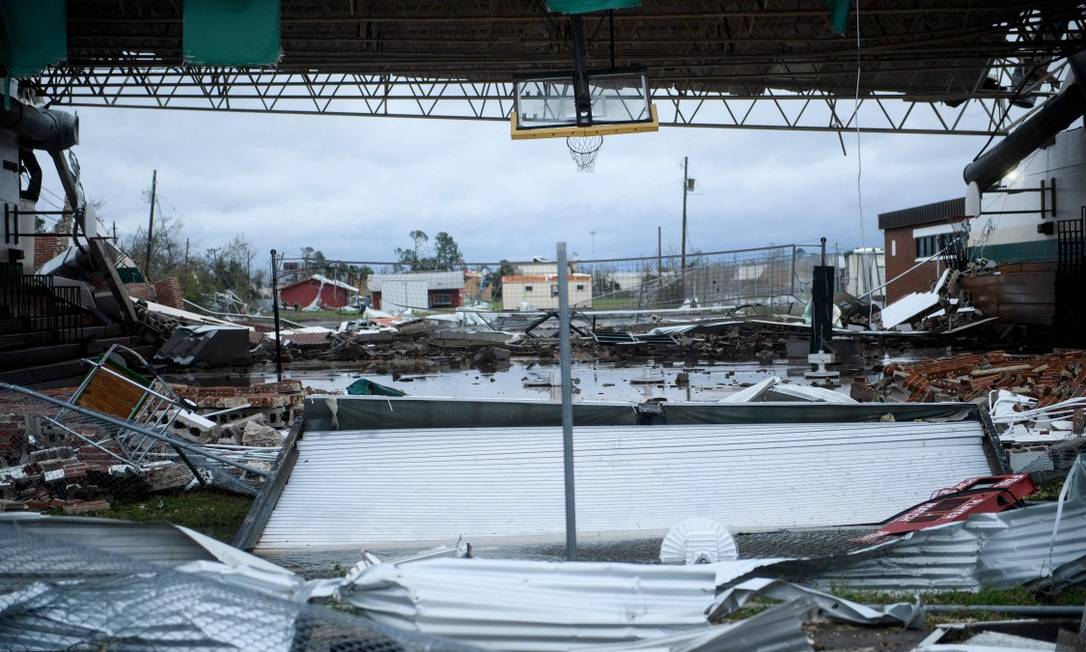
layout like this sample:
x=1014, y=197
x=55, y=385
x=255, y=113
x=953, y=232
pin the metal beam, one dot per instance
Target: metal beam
x=374, y=95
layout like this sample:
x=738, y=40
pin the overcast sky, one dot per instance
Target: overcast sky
x=355, y=187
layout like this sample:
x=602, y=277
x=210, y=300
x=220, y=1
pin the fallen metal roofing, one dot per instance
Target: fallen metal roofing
x=1041, y=545
x=776, y=389
x=535, y=605
x=351, y=489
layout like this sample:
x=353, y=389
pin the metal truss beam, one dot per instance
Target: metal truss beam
x=980, y=113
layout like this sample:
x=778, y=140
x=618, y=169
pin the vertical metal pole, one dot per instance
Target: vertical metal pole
x=659, y=252
x=567, y=400
x=150, y=228
x=275, y=310
x=685, y=184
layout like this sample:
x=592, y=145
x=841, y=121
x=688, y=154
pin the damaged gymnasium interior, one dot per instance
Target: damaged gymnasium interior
x=791, y=447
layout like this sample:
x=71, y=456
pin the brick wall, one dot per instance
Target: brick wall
x=46, y=248
x=169, y=292
x=144, y=291
x=900, y=248
x=13, y=437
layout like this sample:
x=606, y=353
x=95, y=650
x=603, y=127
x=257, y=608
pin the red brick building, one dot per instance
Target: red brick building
x=303, y=294
x=912, y=235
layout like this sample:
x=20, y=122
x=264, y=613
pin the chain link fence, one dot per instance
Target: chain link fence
x=60, y=596
x=774, y=275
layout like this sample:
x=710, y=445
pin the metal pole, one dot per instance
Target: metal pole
x=275, y=310
x=567, y=400
x=659, y=252
x=685, y=183
x=150, y=228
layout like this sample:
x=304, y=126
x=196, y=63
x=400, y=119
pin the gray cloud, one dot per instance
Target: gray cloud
x=354, y=187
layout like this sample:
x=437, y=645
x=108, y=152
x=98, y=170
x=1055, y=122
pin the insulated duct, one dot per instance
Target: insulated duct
x=1056, y=115
x=35, y=128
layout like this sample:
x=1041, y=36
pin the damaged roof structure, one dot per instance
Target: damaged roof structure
x=748, y=466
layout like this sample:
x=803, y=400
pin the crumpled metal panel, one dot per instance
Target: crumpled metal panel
x=534, y=605
x=372, y=488
x=777, y=629
x=1011, y=548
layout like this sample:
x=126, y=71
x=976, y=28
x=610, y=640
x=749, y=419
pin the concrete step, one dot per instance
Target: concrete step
x=57, y=374
x=39, y=355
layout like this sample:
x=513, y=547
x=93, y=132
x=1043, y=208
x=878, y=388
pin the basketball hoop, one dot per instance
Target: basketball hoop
x=583, y=150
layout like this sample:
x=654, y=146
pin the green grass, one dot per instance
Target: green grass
x=1049, y=489
x=1015, y=596
x=214, y=513
x=316, y=315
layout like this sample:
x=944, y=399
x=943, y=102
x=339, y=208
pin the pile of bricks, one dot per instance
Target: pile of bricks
x=278, y=402
x=1048, y=378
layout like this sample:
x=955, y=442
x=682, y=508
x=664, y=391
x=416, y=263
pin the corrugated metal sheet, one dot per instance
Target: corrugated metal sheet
x=155, y=543
x=366, y=488
x=533, y=605
x=996, y=550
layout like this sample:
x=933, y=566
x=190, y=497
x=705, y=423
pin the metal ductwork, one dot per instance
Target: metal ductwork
x=52, y=131
x=1056, y=115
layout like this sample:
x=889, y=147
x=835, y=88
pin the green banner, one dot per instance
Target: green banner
x=839, y=15
x=588, y=6
x=231, y=32
x=33, y=35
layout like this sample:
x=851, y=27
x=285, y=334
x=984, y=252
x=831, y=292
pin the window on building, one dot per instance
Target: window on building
x=929, y=245
x=441, y=299
x=893, y=247
x=527, y=288
x=554, y=290
x=580, y=287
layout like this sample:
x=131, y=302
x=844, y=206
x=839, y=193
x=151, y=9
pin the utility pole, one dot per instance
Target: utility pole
x=275, y=311
x=685, y=184
x=151, y=227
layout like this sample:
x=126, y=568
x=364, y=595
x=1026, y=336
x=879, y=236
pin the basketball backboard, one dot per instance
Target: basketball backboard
x=545, y=105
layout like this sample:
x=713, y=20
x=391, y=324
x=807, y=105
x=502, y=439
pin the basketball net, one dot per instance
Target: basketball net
x=583, y=150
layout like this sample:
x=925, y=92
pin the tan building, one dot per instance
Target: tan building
x=541, y=291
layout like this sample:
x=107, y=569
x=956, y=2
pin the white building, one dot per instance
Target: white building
x=541, y=291
x=417, y=290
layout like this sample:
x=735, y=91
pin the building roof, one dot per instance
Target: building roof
x=323, y=280
x=434, y=280
x=542, y=278
x=933, y=213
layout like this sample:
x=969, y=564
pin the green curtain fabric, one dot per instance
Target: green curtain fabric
x=839, y=15
x=231, y=32
x=588, y=6
x=33, y=35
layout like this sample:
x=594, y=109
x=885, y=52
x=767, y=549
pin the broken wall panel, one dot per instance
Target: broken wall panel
x=354, y=489
x=383, y=412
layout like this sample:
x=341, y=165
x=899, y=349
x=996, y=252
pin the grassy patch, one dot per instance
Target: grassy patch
x=1049, y=489
x=317, y=315
x=214, y=513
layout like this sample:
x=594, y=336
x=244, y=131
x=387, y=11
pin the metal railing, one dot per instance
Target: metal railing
x=49, y=313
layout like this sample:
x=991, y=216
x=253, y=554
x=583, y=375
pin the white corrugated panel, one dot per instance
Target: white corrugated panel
x=352, y=489
x=400, y=295
x=534, y=605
